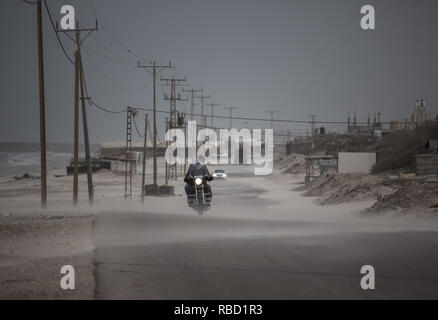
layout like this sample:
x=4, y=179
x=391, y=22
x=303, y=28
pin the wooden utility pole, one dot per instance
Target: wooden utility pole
x=154, y=69
x=192, y=100
x=202, y=98
x=230, y=108
x=42, y=108
x=272, y=117
x=86, y=138
x=212, y=105
x=79, y=81
x=143, y=177
x=76, y=133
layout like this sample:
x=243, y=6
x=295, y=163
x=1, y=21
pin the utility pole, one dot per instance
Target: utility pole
x=192, y=100
x=86, y=138
x=143, y=176
x=130, y=113
x=313, y=124
x=230, y=108
x=212, y=105
x=79, y=82
x=42, y=108
x=272, y=117
x=76, y=133
x=154, y=69
x=203, y=97
x=166, y=173
x=173, y=98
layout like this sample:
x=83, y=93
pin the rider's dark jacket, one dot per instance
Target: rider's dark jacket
x=198, y=169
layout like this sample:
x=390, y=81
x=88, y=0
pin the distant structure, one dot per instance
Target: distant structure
x=418, y=117
x=364, y=129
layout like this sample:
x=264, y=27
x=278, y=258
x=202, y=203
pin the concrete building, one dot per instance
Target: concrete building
x=418, y=117
x=401, y=125
x=361, y=162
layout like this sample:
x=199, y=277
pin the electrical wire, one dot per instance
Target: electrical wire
x=136, y=128
x=56, y=33
x=252, y=119
x=92, y=102
x=120, y=43
x=112, y=51
x=110, y=78
x=108, y=57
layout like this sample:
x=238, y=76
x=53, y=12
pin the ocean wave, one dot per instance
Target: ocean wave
x=18, y=159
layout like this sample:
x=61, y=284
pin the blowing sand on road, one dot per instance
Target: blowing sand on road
x=261, y=239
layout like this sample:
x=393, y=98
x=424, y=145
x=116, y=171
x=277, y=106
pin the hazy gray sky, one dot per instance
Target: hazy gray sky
x=299, y=57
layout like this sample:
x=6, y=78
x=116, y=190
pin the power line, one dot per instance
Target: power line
x=109, y=77
x=105, y=109
x=56, y=33
x=252, y=119
x=120, y=43
x=136, y=128
x=112, y=51
x=108, y=57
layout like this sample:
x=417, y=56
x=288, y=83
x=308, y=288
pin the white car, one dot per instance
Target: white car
x=219, y=174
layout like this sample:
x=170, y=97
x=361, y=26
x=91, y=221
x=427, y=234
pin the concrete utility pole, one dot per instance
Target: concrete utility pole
x=79, y=81
x=166, y=172
x=173, y=98
x=203, y=97
x=42, y=108
x=130, y=113
x=192, y=100
x=212, y=105
x=272, y=117
x=230, y=108
x=154, y=69
x=313, y=117
x=143, y=176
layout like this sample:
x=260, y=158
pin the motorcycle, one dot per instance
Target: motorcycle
x=198, y=198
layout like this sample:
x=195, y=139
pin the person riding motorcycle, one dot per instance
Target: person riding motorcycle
x=198, y=169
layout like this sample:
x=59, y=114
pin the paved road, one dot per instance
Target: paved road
x=164, y=253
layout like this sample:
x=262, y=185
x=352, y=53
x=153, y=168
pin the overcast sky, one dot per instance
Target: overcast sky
x=298, y=57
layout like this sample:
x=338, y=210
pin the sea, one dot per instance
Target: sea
x=20, y=158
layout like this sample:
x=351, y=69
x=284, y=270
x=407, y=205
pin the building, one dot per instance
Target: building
x=418, y=117
x=426, y=164
x=364, y=129
x=401, y=125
